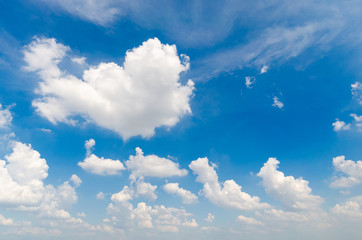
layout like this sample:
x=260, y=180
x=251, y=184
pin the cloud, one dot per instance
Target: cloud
x=248, y=220
x=165, y=219
x=76, y=180
x=101, y=13
x=249, y=81
x=152, y=166
x=22, y=176
x=210, y=218
x=187, y=196
x=340, y=125
x=264, y=69
x=100, y=196
x=277, y=103
x=97, y=165
x=351, y=209
x=352, y=169
x=6, y=221
x=295, y=194
x=134, y=99
x=5, y=117
x=229, y=194
x=145, y=189
x=357, y=92
x=123, y=196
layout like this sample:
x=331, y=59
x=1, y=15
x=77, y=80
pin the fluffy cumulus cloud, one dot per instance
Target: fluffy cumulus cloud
x=99, y=165
x=133, y=99
x=228, y=194
x=5, y=117
x=152, y=166
x=352, y=170
x=187, y=196
x=295, y=194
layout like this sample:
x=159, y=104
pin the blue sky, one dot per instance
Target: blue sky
x=180, y=119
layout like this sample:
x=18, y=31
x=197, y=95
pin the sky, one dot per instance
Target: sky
x=180, y=119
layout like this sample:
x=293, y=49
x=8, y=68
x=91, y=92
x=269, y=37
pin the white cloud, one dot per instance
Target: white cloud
x=22, y=176
x=89, y=145
x=351, y=208
x=356, y=117
x=210, y=217
x=79, y=60
x=248, y=220
x=277, y=103
x=357, y=91
x=165, y=219
x=100, y=196
x=76, y=180
x=152, y=166
x=131, y=100
x=264, y=69
x=249, y=81
x=102, y=12
x=6, y=221
x=295, y=194
x=229, y=194
x=5, y=117
x=145, y=189
x=187, y=196
x=352, y=169
x=340, y=125
x=123, y=196
x=97, y=165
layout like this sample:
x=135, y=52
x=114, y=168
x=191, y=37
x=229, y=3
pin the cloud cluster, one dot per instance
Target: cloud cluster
x=228, y=194
x=133, y=99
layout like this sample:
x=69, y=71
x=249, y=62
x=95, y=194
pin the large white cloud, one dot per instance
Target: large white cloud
x=131, y=100
x=152, y=166
x=187, y=196
x=295, y=194
x=229, y=194
x=352, y=169
x=99, y=165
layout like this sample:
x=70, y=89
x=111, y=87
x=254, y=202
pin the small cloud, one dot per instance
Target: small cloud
x=82, y=214
x=277, y=103
x=210, y=218
x=100, y=196
x=340, y=125
x=264, y=69
x=45, y=130
x=248, y=220
x=249, y=81
x=79, y=60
